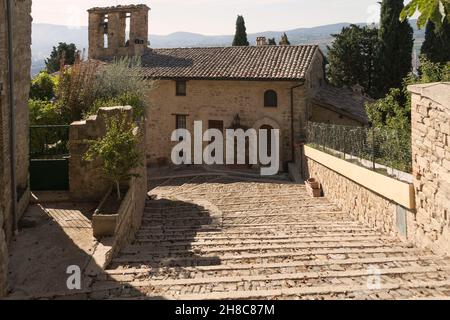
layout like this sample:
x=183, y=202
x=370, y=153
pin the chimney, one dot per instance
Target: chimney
x=261, y=41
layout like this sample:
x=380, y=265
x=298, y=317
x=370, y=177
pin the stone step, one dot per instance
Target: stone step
x=179, y=205
x=144, y=235
x=225, y=199
x=130, y=273
x=257, y=231
x=192, y=220
x=273, y=227
x=261, y=248
x=230, y=243
x=195, y=208
x=192, y=259
x=224, y=285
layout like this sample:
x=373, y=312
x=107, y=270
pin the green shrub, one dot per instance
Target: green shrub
x=42, y=112
x=125, y=99
x=43, y=86
x=117, y=150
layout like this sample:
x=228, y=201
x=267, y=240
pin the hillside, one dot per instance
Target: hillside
x=45, y=36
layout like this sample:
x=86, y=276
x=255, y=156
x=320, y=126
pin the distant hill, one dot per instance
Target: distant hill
x=45, y=36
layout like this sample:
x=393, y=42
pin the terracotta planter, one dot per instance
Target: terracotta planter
x=104, y=220
x=313, y=183
x=104, y=225
x=313, y=188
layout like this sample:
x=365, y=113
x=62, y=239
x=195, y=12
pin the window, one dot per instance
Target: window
x=181, y=88
x=215, y=124
x=180, y=121
x=270, y=99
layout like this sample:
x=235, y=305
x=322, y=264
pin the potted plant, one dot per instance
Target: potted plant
x=118, y=152
x=313, y=187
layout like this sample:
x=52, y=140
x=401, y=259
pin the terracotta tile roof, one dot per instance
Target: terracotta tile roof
x=236, y=63
x=343, y=101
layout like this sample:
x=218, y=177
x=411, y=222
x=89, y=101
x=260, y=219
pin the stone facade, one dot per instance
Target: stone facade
x=221, y=100
x=431, y=164
x=21, y=26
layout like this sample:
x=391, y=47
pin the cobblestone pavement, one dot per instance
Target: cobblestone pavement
x=218, y=237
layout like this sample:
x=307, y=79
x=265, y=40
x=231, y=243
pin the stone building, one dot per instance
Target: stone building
x=279, y=87
x=15, y=62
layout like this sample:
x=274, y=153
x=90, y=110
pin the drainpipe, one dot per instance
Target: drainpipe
x=12, y=119
x=292, y=120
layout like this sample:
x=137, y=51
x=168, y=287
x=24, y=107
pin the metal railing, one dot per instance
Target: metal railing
x=378, y=149
x=49, y=141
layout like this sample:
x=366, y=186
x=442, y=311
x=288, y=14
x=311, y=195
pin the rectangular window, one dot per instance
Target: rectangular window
x=216, y=124
x=181, y=88
x=180, y=121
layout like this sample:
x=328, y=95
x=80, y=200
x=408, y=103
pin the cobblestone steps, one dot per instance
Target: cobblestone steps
x=215, y=237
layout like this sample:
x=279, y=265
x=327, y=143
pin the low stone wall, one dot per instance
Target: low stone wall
x=88, y=184
x=361, y=201
x=132, y=207
x=430, y=113
x=86, y=180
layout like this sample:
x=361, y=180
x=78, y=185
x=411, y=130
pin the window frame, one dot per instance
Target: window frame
x=179, y=93
x=270, y=103
x=179, y=117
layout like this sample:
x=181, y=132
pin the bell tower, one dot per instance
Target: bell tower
x=118, y=31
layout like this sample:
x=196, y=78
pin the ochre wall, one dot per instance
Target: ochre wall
x=21, y=61
x=221, y=100
x=430, y=123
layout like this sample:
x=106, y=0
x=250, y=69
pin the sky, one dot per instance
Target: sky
x=215, y=17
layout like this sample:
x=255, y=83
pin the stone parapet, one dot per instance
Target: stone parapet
x=430, y=122
x=372, y=198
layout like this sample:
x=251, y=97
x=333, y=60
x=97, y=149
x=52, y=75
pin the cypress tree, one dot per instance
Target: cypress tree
x=352, y=58
x=240, y=38
x=284, y=40
x=395, y=48
x=272, y=42
x=436, y=46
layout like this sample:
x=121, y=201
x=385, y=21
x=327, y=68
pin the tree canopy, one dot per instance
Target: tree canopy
x=240, y=38
x=435, y=11
x=352, y=58
x=395, y=47
x=436, y=46
x=65, y=52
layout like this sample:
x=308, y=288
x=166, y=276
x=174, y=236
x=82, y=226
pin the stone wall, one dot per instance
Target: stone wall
x=431, y=164
x=221, y=100
x=362, y=203
x=21, y=61
x=86, y=179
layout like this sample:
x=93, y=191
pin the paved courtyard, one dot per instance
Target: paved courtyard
x=224, y=237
